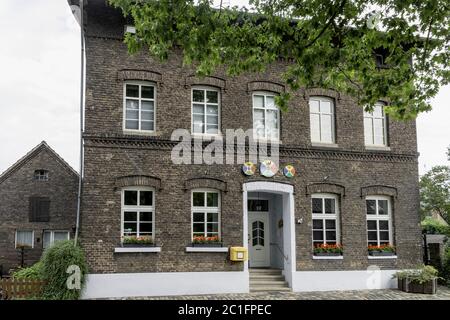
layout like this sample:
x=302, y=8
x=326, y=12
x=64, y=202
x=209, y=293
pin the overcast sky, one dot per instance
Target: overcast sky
x=40, y=76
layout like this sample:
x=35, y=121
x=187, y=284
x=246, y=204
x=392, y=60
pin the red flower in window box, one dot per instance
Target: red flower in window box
x=328, y=249
x=381, y=250
x=202, y=241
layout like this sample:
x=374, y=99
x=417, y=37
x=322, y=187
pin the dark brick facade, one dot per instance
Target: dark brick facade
x=114, y=160
x=17, y=185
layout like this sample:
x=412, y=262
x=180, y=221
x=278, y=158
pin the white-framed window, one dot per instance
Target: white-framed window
x=379, y=220
x=325, y=219
x=51, y=236
x=375, y=129
x=139, y=106
x=266, y=116
x=41, y=175
x=205, y=209
x=24, y=238
x=321, y=114
x=205, y=111
x=138, y=212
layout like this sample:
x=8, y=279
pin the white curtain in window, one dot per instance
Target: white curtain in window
x=24, y=238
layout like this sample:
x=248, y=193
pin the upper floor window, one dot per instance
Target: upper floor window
x=41, y=175
x=266, y=115
x=325, y=218
x=321, y=111
x=379, y=221
x=50, y=237
x=139, y=106
x=375, y=126
x=205, y=211
x=138, y=212
x=24, y=238
x=205, y=111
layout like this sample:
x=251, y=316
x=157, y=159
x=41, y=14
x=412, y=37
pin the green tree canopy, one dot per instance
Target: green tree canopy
x=435, y=192
x=331, y=43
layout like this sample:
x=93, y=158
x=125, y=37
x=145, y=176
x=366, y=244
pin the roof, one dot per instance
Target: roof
x=30, y=155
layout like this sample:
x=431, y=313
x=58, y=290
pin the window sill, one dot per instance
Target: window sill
x=381, y=257
x=324, y=145
x=376, y=148
x=141, y=133
x=267, y=141
x=206, y=249
x=136, y=249
x=207, y=137
x=328, y=257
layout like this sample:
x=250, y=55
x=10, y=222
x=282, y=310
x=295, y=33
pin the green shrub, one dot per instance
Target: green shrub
x=446, y=266
x=421, y=275
x=55, y=263
x=31, y=273
x=433, y=226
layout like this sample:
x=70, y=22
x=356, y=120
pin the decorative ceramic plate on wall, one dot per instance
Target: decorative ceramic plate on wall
x=289, y=171
x=268, y=168
x=249, y=168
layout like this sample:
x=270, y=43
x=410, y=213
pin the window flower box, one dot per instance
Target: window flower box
x=134, y=242
x=328, y=254
x=328, y=250
x=423, y=280
x=207, y=244
x=381, y=251
x=200, y=241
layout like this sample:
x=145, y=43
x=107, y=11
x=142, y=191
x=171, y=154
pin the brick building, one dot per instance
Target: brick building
x=38, y=197
x=356, y=181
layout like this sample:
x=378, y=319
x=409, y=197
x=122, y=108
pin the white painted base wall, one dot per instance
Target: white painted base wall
x=116, y=285
x=304, y=281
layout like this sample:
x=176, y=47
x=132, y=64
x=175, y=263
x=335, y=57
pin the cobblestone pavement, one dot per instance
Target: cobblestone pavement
x=443, y=293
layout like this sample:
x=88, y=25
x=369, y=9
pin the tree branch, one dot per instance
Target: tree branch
x=327, y=25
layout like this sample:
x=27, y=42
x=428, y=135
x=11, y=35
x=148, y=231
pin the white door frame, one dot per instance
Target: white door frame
x=289, y=244
x=266, y=238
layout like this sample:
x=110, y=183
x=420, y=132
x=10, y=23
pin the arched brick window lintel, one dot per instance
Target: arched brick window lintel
x=138, y=181
x=205, y=182
x=325, y=187
x=380, y=190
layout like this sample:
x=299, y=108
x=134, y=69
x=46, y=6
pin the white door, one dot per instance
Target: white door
x=258, y=239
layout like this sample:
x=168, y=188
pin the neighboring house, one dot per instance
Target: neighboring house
x=38, y=202
x=356, y=182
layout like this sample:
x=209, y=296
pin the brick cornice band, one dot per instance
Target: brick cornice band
x=205, y=182
x=379, y=190
x=143, y=75
x=138, y=181
x=205, y=81
x=325, y=187
x=265, y=86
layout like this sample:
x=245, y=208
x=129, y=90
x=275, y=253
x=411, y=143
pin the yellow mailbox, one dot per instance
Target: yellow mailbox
x=238, y=254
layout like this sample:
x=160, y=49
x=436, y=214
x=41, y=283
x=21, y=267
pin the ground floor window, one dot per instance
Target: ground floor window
x=50, y=237
x=325, y=219
x=24, y=238
x=379, y=221
x=205, y=211
x=138, y=212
